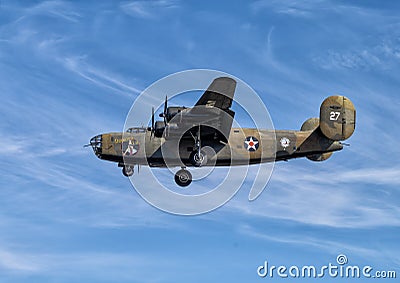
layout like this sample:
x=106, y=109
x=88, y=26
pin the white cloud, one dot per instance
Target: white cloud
x=100, y=78
x=18, y=262
x=74, y=191
x=302, y=240
x=357, y=60
x=293, y=8
x=386, y=176
x=56, y=8
x=8, y=148
x=147, y=9
x=93, y=264
x=331, y=198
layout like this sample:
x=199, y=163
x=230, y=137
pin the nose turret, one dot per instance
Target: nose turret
x=96, y=144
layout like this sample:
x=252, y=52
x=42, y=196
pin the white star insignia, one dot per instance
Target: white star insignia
x=251, y=144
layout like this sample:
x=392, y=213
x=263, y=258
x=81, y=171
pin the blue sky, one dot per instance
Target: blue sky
x=70, y=70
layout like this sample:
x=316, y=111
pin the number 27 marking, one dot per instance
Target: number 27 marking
x=333, y=116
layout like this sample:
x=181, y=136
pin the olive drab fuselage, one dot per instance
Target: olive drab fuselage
x=316, y=140
x=203, y=136
x=271, y=146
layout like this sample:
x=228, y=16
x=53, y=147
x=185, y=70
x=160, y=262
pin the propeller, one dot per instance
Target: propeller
x=152, y=117
x=164, y=114
x=152, y=122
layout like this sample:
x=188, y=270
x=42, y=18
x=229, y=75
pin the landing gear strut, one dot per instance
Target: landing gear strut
x=198, y=157
x=127, y=171
x=183, y=178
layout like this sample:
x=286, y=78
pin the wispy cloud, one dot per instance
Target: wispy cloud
x=328, y=198
x=357, y=60
x=384, y=56
x=18, y=262
x=78, y=65
x=291, y=8
x=61, y=83
x=54, y=264
x=56, y=8
x=302, y=240
x=386, y=176
x=13, y=148
x=49, y=46
x=147, y=9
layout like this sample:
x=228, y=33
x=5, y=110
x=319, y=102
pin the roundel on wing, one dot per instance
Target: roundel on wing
x=251, y=143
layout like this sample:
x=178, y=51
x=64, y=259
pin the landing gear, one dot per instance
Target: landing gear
x=183, y=178
x=127, y=171
x=198, y=158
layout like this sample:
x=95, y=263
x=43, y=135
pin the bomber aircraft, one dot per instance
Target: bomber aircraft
x=203, y=136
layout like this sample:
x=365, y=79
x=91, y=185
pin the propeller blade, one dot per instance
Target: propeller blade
x=165, y=110
x=152, y=118
x=165, y=105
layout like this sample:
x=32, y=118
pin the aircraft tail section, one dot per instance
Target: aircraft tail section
x=337, y=119
x=336, y=123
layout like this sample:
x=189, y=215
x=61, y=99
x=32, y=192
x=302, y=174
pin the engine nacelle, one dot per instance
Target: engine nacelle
x=319, y=157
x=337, y=118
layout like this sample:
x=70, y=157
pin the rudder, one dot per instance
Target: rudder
x=337, y=118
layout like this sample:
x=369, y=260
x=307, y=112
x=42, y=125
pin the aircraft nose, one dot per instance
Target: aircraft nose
x=96, y=144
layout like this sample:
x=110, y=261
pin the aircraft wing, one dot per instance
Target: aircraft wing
x=212, y=111
x=219, y=94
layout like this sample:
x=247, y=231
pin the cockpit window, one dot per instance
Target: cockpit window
x=136, y=130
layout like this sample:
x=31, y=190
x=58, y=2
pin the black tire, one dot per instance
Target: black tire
x=197, y=160
x=127, y=171
x=183, y=178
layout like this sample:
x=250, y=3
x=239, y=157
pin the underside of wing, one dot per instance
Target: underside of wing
x=219, y=94
x=213, y=111
x=210, y=119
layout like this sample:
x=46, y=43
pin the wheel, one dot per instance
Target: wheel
x=197, y=159
x=183, y=178
x=127, y=171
